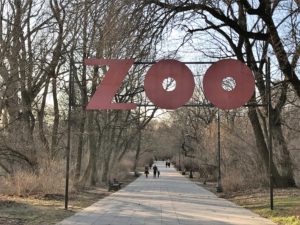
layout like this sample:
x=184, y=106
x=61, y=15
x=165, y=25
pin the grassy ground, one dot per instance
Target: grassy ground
x=47, y=209
x=286, y=202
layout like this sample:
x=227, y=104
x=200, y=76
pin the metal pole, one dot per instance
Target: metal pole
x=219, y=185
x=268, y=89
x=68, y=150
x=179, y=163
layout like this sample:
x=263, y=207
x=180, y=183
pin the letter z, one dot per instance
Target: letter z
x=102, y=98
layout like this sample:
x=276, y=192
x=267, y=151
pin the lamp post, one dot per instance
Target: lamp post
x=68, y=150
x=219, y=185
x=269, y=100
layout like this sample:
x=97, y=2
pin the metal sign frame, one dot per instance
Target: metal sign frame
x=219, y=186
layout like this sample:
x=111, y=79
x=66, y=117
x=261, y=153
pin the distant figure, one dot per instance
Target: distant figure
x=146, y=171
x=168, y=163
x=158, y=173
x=154, y=170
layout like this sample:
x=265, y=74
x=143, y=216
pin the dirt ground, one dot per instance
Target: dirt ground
x=47, y=209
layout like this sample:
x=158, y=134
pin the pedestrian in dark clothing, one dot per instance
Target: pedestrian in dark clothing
x=168, y=163
x=158, y=173
x=146, y=171
x=154, y=170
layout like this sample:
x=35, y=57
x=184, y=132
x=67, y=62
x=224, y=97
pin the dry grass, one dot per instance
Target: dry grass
x=121, y=170
x=41, y=210
x=49, y=180
x=27, y=198
x=47, y=209
x=235, y=181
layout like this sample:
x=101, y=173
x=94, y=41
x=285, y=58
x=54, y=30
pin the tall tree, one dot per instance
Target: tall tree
x=250, y=30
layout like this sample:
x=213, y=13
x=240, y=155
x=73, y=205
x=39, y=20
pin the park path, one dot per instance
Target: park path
x=169, y=200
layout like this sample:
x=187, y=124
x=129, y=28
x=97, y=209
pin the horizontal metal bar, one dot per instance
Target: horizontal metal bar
x=153, y=62
x=201, y=105
x=255, y=105
x=188, y=62
x=188, y=105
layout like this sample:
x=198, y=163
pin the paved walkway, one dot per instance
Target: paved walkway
x=170, y=200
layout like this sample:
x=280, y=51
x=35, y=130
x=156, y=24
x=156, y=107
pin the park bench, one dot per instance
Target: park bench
x=114, y=185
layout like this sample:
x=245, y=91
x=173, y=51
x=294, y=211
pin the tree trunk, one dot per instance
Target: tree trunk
x=28, y=127
x=105, y=174
x=107, y=153
x=83, y=96
x=89, y=177
x=54, y=141
x=282, y=158
x=41, y=115
x=137, y=154
x=280, y=181
x=80, y=147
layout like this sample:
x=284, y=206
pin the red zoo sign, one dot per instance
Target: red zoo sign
x=185, y=84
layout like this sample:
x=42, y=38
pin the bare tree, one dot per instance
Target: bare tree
x=29, y=63
x=250, y=32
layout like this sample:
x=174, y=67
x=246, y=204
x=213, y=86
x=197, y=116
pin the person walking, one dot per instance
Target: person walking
x=146, y=171
x=168, y=163
x=158, y=173
x=154, y=170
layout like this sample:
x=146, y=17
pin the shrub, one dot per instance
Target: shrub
x=235, y=180
x=121, y=170
x=49, y=180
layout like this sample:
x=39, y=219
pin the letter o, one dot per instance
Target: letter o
x=155, y=91
x=244, y=88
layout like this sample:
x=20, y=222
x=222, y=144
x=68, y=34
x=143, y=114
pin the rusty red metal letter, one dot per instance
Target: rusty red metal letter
x=244, y=84
x=102, y=99
x=155, y=91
